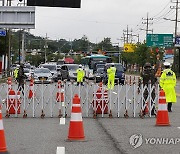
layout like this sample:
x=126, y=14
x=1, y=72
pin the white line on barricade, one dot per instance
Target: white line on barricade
x=60, y=150
x=62, y=121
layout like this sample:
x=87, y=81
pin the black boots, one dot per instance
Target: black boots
x=169, y=107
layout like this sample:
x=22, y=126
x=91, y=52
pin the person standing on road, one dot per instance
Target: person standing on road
x=168, y=83
x=16, y=73
x=21, y=78
x=111, y=76
x=148, y=76
x=80, y=75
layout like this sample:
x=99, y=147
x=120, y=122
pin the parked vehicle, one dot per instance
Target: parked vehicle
x=119, y=76
x=68, y=71
x=42, y=75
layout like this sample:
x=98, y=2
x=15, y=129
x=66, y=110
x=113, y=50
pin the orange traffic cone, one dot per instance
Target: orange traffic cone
x=3, y=148
x=76, y=130
x=162, y=118
x=146, y=110
x=59, y=94
x=31, y=89
x=9, y=82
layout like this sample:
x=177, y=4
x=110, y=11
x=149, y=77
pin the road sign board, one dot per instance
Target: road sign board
x=177, y=41
x=2, y=32
x=129, y=47
x=159, y=40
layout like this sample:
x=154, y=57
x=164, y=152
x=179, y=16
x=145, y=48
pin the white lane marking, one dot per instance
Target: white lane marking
x=178, y=127
x=62, y=121
x=60, y=150
x=114, y=93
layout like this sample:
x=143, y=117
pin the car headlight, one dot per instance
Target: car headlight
x=71, y=74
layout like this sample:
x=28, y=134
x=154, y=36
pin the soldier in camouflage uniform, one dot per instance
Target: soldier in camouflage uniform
x=147, y=76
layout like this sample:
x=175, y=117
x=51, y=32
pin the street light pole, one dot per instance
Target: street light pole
x=45, y=56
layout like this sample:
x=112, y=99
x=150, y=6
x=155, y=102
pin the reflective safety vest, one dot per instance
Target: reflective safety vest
x=111, y=72
x=168, y=83
x=16, y=72
x=80, y=73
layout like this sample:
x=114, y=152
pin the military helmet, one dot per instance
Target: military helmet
x=147, y=65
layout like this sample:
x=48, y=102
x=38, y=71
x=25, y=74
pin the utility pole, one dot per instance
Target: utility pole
x=136, y=36
x=176, y=64
x=126, y=33
x=45, y=56
x=9, y=46
x=147, y=24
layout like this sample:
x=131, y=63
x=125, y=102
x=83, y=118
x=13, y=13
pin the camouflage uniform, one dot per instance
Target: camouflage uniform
x=148, y=75
x=21, y=78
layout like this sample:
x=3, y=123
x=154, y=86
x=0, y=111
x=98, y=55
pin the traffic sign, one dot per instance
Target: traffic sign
x=177, y=41
x=129, y=47
x=2, y=32
x=159, y=40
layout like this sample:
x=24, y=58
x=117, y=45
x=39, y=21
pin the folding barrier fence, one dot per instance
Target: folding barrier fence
x=53, y=100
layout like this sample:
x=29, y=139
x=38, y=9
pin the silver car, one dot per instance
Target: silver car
x=42, y=75
x=68, y=71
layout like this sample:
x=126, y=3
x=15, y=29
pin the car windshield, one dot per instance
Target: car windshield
x=100, y=70
x=26, y=71
x=42, y=70
x=73, y=67
x=50, y=67
x=27, y=66
x=100, y=66
x=119, y=67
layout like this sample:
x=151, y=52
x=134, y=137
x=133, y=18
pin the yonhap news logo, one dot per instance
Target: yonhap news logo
x=136, y=140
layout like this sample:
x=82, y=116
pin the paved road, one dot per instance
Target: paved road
x=103, y=135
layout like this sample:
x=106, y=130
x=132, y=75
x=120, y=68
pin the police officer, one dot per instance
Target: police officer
x=16, y=72
x=148, y=76
x=168, y=83
x=111, y=76
x=80, y=75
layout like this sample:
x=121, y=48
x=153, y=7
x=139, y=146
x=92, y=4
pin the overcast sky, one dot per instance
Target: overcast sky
x=104, y=18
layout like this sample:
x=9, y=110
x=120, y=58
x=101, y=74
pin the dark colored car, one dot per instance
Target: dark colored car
x=119, y=76
x=99, y=74
x=98, y=65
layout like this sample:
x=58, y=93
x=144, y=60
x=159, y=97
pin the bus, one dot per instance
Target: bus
x=89, y=62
